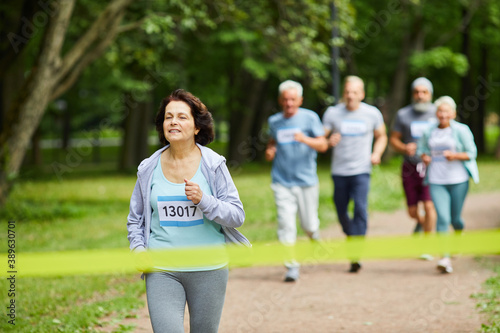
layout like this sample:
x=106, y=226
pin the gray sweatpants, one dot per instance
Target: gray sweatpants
x=168, y=292
x=289, y=202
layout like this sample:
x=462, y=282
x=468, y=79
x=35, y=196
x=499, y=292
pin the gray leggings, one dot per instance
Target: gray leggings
x=168, y=292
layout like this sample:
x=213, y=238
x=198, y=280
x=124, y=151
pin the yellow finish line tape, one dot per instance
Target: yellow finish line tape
x=109, y=261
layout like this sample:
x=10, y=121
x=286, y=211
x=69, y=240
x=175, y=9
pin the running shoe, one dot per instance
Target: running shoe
x=444, y=265
x=355, y=267
x=292, y=274
x=427, y=257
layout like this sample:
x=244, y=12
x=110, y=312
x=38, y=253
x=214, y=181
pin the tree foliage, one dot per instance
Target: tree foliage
x=110, y=62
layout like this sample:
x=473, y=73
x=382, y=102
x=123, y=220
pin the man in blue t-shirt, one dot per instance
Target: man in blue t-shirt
x=296, y=136
x=358, y=137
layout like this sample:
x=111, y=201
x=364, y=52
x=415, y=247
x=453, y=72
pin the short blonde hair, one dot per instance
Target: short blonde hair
x=354, y=79
x=446, y=100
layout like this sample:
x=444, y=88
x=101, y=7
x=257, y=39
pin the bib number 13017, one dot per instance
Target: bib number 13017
x=178, y=211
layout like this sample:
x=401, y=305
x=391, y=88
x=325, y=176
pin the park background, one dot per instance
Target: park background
x=80, y=83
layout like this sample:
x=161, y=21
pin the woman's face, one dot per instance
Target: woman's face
x=444, y=114
x=178, y=125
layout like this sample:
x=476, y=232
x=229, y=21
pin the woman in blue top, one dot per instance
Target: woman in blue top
x=185, y=197
x=449, y=151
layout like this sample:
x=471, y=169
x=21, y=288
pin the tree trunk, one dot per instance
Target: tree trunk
x=146, y=112
x=135, y=137
x=34, y=97
x=242, y=119
x=66, y=123
x=10, y=85
x=465, y=110
x=16, y=30
x=260, y=136
x=36, y=151
x=412, y=41
x=50, y=77
x=480, y=115
x=497, y=148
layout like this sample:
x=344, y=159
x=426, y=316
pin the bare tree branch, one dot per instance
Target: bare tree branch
x=131, y=26
x=91, y=55
x=108, y=18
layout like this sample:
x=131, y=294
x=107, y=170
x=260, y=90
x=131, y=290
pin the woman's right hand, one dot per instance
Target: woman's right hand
x=143, y=261
x=426, y=159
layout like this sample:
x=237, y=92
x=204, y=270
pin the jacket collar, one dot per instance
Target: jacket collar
x=208, y=156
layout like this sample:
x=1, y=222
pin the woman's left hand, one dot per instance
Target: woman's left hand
x=450, y=156
x=193, y=192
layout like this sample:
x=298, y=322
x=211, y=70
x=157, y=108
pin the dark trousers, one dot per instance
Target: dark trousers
x=356, y=188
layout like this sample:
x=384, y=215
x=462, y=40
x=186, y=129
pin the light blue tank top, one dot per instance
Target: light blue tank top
x=178, y=223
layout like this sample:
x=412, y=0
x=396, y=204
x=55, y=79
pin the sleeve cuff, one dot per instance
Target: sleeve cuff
x=139, y=249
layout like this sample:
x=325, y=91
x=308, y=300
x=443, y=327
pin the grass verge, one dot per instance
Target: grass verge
x=488, y=301
x=72, y=303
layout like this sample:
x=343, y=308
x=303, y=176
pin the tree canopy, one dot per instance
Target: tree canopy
x=96, y=64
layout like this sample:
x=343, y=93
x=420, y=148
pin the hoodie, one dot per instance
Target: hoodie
x=224, y=207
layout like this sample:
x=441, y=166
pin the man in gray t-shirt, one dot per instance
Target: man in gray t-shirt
x=354, y=127
x=408, y=126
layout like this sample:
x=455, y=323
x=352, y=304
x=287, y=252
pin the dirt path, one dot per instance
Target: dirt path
x=386, y=296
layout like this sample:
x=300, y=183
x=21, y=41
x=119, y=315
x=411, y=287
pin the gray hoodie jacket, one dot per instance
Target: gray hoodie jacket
x=224, y=207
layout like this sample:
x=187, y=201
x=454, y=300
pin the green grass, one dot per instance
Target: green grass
x=87, y=209
x=76, y=213
x=72, y=303
x=488, y=301
x=489, y=174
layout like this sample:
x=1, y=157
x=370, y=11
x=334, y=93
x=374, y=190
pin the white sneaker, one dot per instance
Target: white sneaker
x=427, y=257
x=444, y=265
x=292, y=274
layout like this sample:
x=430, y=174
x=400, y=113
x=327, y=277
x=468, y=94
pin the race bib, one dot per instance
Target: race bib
x=286, y=135
x=417, y=128
x=437, y=153
x=178, y=211
x=353, y=127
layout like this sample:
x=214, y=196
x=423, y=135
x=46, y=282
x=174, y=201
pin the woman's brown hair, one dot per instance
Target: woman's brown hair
x=202, y=117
